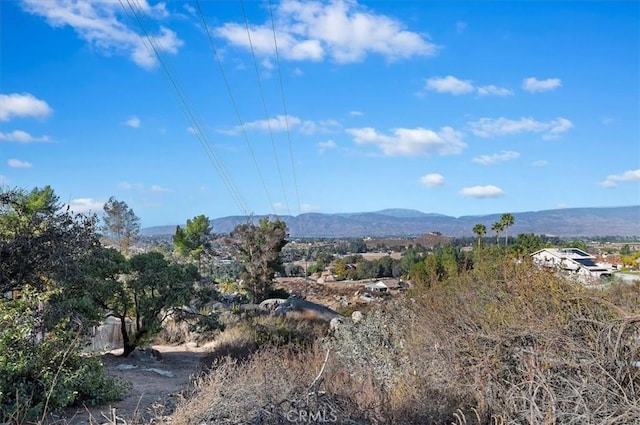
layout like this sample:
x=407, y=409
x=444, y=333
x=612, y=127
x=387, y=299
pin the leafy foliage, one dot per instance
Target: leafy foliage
x=194, y=241
x=258, y=248
x=121, y=225
x=148, y=290
x=44, y=254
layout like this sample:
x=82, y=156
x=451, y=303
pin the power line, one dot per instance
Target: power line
x=264, y=105
x=187, y=110
x=233, y=102
x=284, y=106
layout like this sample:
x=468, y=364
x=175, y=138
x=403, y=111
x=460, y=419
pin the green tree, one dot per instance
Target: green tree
x=480, y=230
x=121, y=225
x=258, y=248
x=42, y=243
x=497, y=228
x=575, y=243
x=44, y=253
x=146, y=288
x=507, y=220
x=527, y=243
x=194, y=241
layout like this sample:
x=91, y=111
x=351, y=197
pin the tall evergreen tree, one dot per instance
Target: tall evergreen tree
x=121, y=225
x=194, y=241
x=258, y=248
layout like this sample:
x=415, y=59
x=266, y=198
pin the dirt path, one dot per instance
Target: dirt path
x=157, y=386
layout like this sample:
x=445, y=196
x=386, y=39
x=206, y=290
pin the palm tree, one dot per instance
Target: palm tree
x=497, y=227
x=507, y=221
x=480, y=230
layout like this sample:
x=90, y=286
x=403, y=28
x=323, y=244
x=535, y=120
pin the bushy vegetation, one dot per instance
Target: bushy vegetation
x=502, y=343
x=45, y=253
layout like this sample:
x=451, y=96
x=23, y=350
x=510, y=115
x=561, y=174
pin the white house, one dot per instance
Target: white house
x=572, y=260
x=378, y=287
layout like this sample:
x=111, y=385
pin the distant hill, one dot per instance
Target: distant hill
x=613, y=221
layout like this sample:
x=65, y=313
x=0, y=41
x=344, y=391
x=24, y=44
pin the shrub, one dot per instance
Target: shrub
x=41, y=373
x=505, y=343
x=279, y=386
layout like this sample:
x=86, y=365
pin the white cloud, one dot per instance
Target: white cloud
x=22, y=105
x=612, y=180
x=356, y=113
x=329, y=144
x=130, y=186
x=297, y=72
x=456, y=86
x=309, y=208
x=461, y=26
x=344, y=31
x=492, y=90
x=411, y=141
x=133, y=122
x=98, y=23
x=449, y=84
x=540, y=163
x=154, y=188
x=433, y=179
x=190, y=9
x=280, y=123
x=607, y=120
x=533, y=85
x=309, y=127
x=280, y=207
x=139, y=187
x=20, y=136
x=488, y=191
x=491, y=127
x=191, y=130
x=86, y=205
x=496, y=157
x=16, y=163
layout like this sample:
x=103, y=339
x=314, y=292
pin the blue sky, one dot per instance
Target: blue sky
x=459, y=108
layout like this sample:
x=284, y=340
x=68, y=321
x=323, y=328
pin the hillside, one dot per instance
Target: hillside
x=586, y=222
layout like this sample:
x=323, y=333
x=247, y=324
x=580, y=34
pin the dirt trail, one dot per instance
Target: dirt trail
x=157, y=385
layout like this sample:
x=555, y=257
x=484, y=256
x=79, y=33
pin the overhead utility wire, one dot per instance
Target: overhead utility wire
x=264, y=105
x=235, y=106
x=284, y=106
x=187, y=110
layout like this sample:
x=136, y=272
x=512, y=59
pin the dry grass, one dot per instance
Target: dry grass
x=502, y=344
x=276, y=385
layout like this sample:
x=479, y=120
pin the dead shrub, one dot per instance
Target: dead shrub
x=277, y=386
x=502, y=344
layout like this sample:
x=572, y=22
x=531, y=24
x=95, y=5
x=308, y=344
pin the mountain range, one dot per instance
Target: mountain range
x=567, y=222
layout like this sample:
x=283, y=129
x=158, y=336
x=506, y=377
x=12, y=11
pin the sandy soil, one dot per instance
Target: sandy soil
x=157, y=386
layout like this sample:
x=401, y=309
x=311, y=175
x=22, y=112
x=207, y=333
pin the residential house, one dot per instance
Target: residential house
x=574, y=261
x=378, y=287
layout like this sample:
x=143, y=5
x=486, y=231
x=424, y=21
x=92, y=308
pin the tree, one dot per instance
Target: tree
x=146, y=288
x=41, y=244
x=527, y=243
x=479, y=230
x=497, y=227
x=121, y=225
x=258, y=248
x=507, y=221
x=44, y=253
x=194, y=241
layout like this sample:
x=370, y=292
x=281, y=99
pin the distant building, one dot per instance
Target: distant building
x=573, y=261
x=378, y=287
